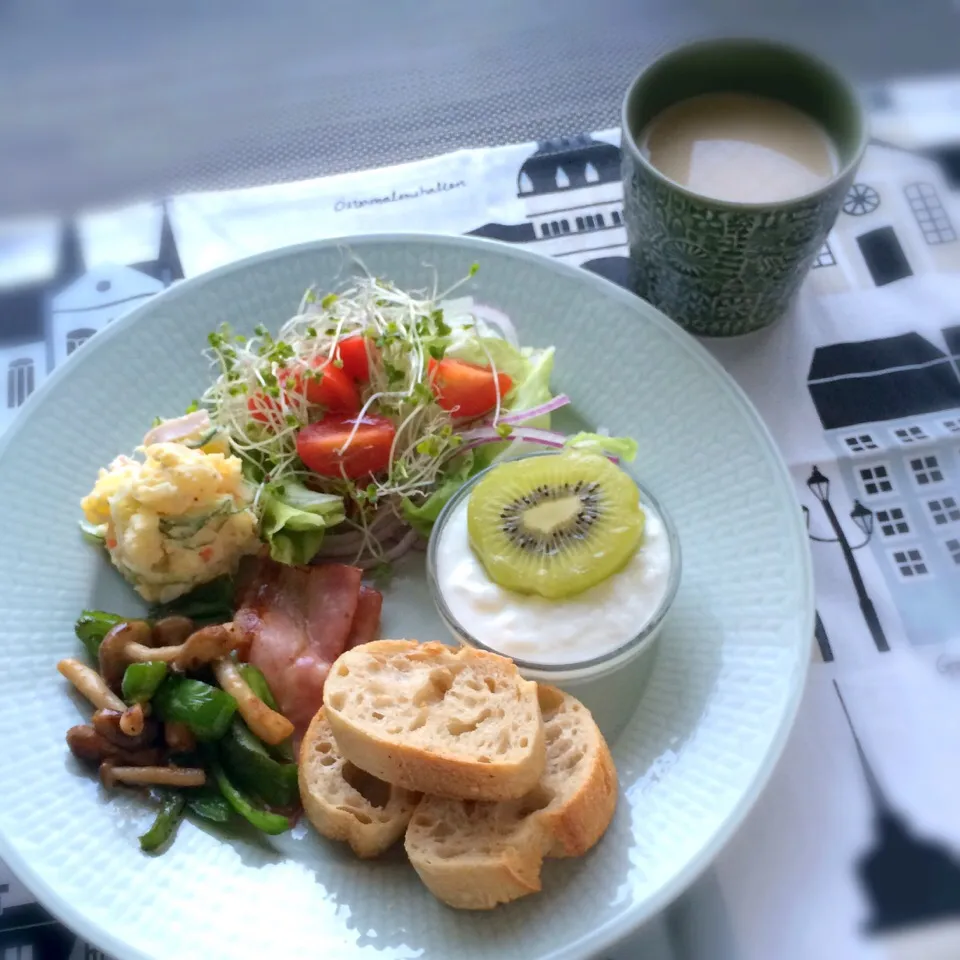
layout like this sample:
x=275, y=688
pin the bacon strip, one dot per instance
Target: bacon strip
x=299, y=620
x=366, y=621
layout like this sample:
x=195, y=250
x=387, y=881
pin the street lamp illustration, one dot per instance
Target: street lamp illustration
x=863, y=517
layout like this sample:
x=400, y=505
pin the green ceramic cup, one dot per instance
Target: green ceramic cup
x=721, y=268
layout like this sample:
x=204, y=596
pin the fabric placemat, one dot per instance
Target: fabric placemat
x=853, y=851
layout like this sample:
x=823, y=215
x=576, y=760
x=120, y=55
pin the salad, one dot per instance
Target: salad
x=359, y=420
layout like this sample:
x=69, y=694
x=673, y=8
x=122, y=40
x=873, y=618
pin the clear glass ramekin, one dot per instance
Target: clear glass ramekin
x=564, y=674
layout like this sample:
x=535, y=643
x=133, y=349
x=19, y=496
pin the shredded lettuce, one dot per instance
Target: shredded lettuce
x=294, y=519
x=623, y=447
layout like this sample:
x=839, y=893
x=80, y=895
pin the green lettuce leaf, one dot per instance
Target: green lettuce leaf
x=623, y=447
x=422, y=516
x=294, y=519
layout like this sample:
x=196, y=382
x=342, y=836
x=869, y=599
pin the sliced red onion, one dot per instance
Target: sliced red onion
x=522, y=416
x=404, y=544
x=544, y=438
x=384, y=526
x=341, y=544
x=177, y=429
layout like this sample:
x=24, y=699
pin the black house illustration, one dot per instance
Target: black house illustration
x=573, y=200
x=909, y=881
x=42, y=323
x=890, y=409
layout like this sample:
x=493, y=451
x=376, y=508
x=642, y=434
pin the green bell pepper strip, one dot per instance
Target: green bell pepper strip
x=251, y=767
x=208, y=802
x=205, y=709
x=141, y=680
x=92, y=626
x=257, y=682
x=166, y=823
x=272, y=823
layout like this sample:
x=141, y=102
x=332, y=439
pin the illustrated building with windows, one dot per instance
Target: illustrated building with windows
x=890, y=409
x=573, y=199
x=889, y=230
x=41, y=324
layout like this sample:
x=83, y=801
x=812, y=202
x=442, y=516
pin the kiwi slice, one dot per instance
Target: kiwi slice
x=554, y=525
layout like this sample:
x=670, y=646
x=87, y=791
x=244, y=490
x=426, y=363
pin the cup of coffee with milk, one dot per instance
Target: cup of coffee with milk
x=737, y=155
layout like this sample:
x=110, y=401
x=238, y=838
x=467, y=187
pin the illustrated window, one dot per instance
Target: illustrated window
x=77, y=338
x=617, y=220
x=876, y=480
x=860, y=443
x=544, y=229
x=600, y=221
x=893, y=522
x=910, y=563
x=825, y=257
x=953, y=548
x=554, y=227
x=930, y=213
x=20, y=382
x=591, y=224
x=926, y=470
x=944, y=511
x=910, y=434
x=565, y=226
x=580, y=224
x=952, y=426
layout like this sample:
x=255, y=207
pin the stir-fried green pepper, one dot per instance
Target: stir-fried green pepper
x=252, y=768
x=166, y=823
x=93, y=626
x=272, y=823
x=141, y=680
x=257, y=682
x=209, y=603
x=208, y=802
x=205, y=709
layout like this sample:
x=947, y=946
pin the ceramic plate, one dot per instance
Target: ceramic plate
x=705, y=734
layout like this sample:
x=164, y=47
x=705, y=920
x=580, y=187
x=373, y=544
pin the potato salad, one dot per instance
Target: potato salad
x=178, y=515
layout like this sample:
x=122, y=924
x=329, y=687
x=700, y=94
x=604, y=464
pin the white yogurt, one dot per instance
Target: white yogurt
x=552, y=632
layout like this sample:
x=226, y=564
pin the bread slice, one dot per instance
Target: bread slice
x=434, y=719
x=476, y=855
x=344, y=803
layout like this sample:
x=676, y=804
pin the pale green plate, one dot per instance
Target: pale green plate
x=701, y=744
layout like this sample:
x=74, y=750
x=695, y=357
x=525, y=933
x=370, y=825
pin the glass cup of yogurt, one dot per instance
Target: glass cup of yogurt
x=583, y=643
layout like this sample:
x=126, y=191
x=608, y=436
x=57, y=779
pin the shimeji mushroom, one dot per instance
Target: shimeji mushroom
x=129, y=642
x=89, y=683
x=271, y=727
x=108, y=724
x=89, y=745
x=171, y=631
x=133, y=719
x=111, y=775
x=179, y=737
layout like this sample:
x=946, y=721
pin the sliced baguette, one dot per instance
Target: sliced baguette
x=434, y=719
x=344, y=803
x=474, y=856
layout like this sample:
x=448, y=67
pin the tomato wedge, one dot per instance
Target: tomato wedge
x=466, y=389
x=334, y=390
x=352, y=351
x=319, y=446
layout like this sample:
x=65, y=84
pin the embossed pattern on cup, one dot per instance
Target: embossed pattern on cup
x=715, y=270
x=723, y=268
